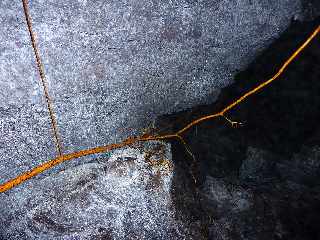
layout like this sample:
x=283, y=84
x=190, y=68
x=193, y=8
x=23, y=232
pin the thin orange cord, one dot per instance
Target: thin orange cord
x=43, y=78
x=131, y=140
x=260, y=86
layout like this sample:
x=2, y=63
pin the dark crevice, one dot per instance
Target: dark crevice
x=268, y=157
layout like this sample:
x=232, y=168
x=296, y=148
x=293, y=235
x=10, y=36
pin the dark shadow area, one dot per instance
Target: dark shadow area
x=269, y=168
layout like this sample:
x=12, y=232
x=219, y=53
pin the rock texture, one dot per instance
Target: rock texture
x=125, y=195
x=112, y=66
x=261, y=180
x=276, y=207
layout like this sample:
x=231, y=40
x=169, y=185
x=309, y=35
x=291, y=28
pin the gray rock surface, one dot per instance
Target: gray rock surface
x=285, y=205
x=122, y=196
x=112, y=66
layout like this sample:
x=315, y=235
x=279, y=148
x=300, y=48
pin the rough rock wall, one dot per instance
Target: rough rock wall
x=126, y=195
x=261, y=180
x=112, y=66
x=74, y=202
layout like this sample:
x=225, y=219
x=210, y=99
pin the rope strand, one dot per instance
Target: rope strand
x=43, y=78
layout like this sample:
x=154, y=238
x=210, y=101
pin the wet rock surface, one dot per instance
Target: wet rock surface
x=260, y=180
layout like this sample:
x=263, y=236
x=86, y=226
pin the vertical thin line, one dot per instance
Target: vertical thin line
x=42, y=77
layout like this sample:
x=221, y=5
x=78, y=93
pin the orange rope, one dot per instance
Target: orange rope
x=39, y=169
x=260, y=86
x=43, y=78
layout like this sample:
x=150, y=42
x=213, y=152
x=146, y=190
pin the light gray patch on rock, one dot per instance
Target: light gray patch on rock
x=226, y=198
x=124, y=197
